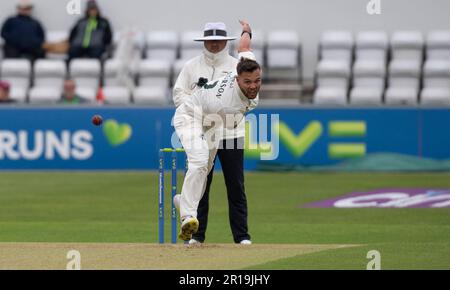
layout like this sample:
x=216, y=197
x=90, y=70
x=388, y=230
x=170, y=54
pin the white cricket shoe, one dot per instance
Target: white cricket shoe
x=189, y=226
x=176, y=201
x=194, y=242
x=245, y=242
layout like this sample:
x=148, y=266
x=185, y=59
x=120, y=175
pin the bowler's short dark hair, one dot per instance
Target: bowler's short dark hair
x=247, y=65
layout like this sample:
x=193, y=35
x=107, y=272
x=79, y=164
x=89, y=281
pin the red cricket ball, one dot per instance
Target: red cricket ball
x=97, y=120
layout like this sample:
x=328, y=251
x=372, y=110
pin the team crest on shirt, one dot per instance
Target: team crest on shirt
x=211, y=86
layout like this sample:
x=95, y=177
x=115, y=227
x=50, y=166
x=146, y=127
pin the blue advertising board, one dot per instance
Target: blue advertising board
x=65, y=138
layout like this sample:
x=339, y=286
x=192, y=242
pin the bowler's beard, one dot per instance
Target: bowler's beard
x=250, y=94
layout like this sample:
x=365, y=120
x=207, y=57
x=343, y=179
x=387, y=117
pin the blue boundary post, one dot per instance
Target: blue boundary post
x=161, y=197
x=174, y=192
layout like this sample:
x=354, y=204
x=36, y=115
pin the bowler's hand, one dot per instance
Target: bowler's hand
x=245, y=26
x=245, y=41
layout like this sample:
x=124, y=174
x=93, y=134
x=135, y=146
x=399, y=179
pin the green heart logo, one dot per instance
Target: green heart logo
x=116, y=133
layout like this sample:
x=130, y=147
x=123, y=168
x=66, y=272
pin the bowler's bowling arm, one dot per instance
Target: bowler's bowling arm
x=245, y=41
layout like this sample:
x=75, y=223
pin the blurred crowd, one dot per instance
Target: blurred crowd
x=24, y=37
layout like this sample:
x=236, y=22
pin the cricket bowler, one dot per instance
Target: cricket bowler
x=218, y=105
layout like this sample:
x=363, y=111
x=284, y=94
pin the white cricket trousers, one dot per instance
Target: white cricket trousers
x=200, y=157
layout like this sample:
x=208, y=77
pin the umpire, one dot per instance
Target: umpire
x=214, y=63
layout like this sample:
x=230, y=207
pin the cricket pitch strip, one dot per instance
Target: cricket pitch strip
x=105, y=256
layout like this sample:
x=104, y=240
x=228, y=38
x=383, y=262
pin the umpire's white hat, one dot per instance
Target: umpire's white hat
x=215, y=31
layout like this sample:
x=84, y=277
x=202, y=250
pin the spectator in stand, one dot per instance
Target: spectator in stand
x=23, y=35
x=69, y=95
x=91, y=35
x=4, y=93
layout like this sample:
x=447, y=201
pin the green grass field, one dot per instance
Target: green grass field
x=117, y=207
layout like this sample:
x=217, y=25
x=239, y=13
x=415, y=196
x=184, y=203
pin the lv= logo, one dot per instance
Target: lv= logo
x=299, y=144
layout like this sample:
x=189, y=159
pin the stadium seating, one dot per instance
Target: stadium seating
x=123, y=39
x=45, y=95
x=150, y=95
x=177, y=68
x=438, y=45
x=369, y=73
x=365, y=68
x=404, y=76
x=436, y=73
x=258, y=46
x=331, y=96
x=369, y=69
x=336, y=45
x=89, y=94
x=407, y=45
x=435, y=96
x=333, y=73
x=372, y=45
x=117, y=73
x=188, y=47
x=404, y=82
x=121, y=69
x=401, y=96
x=49, y=76
x=49, y=73
x=85, y=72
x=117, y=95
x=111, y=71
x=436, y=82
x=19, y=94
x=332, y=82
x=369, y=77
x=366, y=96
x=17, y=72
x=332, y=77
x=405, y=68
x=154, y=72
x=154, y=77
x=162, y=45
x=283, y=56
